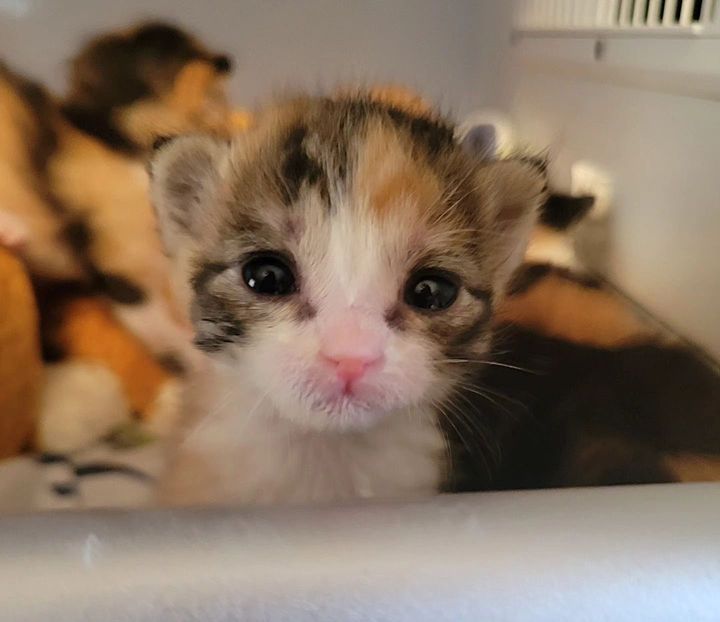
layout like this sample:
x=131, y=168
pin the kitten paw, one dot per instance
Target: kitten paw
x=13, y=232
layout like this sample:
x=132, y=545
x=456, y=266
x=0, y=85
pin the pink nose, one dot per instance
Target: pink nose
x=352, y=342
x=351, y=369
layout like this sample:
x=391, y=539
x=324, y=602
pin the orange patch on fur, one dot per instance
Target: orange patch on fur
x=407, y=185
x=192, y=85
x=90, y=331
x=240, y=121
x=20, y=364
x=395, y=95
x=694, y=467
x=389, y=179
x=560, y=308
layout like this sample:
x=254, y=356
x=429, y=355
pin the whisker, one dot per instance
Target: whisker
x=477, y=423
x=478, y=449
x=479, y=392
x=217, y=415
x=487, y=362
x=483, y=390
x=209, y=417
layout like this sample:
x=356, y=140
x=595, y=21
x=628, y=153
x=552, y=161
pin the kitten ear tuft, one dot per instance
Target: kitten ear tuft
x=185, y=175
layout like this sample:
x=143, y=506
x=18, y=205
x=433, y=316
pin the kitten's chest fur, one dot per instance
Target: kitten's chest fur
x=235, y=448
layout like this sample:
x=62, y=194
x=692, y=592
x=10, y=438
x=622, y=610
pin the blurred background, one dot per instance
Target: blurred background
x=641, y=103
x=284, y=43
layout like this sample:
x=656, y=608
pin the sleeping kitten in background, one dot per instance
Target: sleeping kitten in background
x=73, y=185
x=342, y=261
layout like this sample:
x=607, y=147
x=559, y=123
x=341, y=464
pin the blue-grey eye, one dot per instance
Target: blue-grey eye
x=269, y=275
x=431, y=291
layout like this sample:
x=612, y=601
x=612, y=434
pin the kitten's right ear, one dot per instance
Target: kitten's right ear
x=486, y=135
x=185, y=178
x=480, y=142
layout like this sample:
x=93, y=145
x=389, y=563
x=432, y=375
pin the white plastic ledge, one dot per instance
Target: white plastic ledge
x=620, y=554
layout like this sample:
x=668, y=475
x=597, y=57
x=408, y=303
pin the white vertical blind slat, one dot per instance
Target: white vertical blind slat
x=686, y=12
x=638, y=18
x=625, y=12
x=669, y=12
x=602, y=14
x=653, y=13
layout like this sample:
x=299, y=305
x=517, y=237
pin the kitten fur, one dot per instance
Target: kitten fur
x=356, y=195
x=73, y=172
x=585, y=389
x=553, y=413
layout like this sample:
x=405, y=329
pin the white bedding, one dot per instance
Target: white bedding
x=100, y=477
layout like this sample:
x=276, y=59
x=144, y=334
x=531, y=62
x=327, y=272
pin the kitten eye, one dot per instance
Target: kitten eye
x=268, y=275
x=431, y=291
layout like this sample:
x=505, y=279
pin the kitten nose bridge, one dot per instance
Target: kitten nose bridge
x=353, y=339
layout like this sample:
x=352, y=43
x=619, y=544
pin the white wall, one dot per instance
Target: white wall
x=277, y=43
x=658, y=135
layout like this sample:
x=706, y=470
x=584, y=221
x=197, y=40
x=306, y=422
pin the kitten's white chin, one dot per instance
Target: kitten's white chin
x=337, y=414
x=240, y=446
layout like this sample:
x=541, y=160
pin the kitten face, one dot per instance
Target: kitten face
x=343, y=257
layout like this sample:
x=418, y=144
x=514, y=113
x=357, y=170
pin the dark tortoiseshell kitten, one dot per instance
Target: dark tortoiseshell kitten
x=342, y=261
x=73, y=184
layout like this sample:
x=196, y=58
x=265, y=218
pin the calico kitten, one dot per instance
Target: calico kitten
x=73, y=173
x=552, y=294
x=129, y=87
x=552, y=239
x=552, y=412
x=343, y=260
x=585, y=389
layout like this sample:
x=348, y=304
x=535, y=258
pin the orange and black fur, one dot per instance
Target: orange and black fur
x=585, y=389
x=73, y=171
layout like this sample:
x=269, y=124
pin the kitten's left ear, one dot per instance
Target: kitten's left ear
x=185, y=179
x=515, y=192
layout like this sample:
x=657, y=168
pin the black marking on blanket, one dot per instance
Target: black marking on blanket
x=69, y=483
x=65, y=490
x=103, y=468
x=51, y=458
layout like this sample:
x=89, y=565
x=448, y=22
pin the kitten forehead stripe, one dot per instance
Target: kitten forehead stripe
x=433, y=133
x=298, y=167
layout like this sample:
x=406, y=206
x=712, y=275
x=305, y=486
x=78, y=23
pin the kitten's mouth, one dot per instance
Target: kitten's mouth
x=348, y=409
x=342, y=402
x=319, y=400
